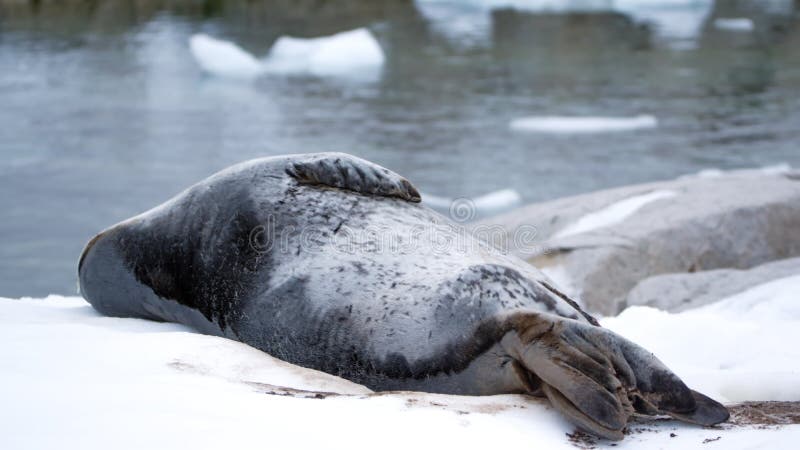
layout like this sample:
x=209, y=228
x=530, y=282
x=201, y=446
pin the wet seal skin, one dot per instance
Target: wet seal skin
x=331, y=262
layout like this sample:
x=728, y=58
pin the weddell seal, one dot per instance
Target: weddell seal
x=330, y=262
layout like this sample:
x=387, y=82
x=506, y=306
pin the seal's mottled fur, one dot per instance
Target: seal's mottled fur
x=330, y=262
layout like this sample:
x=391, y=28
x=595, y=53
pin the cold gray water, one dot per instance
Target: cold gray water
x=104, y=112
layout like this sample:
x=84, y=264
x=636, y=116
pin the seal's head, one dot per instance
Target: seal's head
x=104, y=278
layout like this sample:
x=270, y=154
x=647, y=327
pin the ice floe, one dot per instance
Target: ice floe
x=465, y=209
x=577, y=125
x=354, y=53
x=223, y=58
x=734, y=24
x=351, y=54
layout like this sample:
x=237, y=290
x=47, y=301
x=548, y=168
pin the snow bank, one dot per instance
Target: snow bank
x=734, y=24
x=740, y=348
x=74, y=379
x=577, y=125
x=352, y=54
x=613, y=214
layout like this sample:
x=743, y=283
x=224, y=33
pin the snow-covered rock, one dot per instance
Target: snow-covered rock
x=599, y=245
x=74, y=379
x=682, y=291
x=583, y=125
x=350, y=54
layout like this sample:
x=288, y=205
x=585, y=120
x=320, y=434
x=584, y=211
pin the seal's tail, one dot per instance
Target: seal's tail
x=599, y=379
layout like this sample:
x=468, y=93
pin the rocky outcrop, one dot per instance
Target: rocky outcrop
x=681, y=291
x=598, y=246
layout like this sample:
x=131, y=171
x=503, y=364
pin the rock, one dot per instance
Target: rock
x=681, y=291
x=598, y=246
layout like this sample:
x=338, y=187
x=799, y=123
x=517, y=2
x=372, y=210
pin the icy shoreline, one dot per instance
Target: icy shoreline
x=75, y=379
x=80, y=380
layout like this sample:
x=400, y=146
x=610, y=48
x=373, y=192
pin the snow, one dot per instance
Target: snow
x=774, y=299
x=734, y=24
x=353, y=54
x=734, y=342
x=74, y=379
x=613, y=214
x=577, y=125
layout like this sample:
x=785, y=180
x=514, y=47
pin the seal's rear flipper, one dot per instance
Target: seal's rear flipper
x=578, y=417
x=344, y=171
x=598, y=379
x=708, y=412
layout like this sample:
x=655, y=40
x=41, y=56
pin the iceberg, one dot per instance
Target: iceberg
x=350, y=54
x=223, y=59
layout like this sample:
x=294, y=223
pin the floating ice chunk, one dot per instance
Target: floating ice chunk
x=734, y=24
x=613, y=214
x=777, y=169
x=223, y=59
x=575, y=125
x=705, y=173
x=436, y=202
x=354, y=54
x=497, y=201
x=466, y=209
x=350, y=53
x=710, y=173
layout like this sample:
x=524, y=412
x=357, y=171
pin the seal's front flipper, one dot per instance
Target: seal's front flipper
x=598, y=379
x=344, y=171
